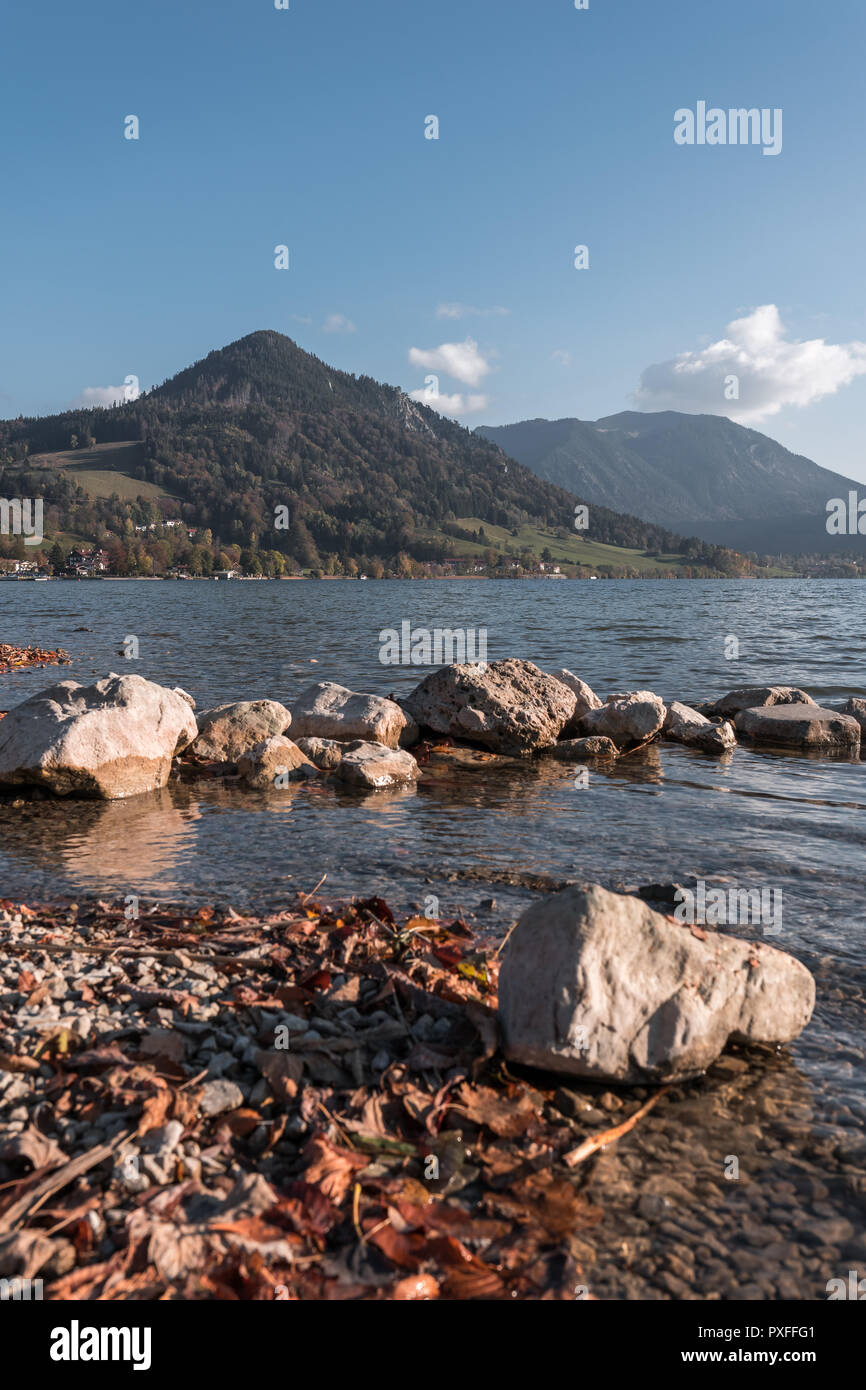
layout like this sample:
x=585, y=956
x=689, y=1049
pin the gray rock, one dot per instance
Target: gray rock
x=164, y=1140
x=685, y=725
x=626, y=719
x=509, y=706
x=751, y=696
x=220, y=1063
x=799, y=726
x=577, y=750
x=856, y=707
x=597, y=984
x=228, y=731
x=325, y=753
x=273, y=763
x=330, y=711
x=374, y=765
x=110, y=740
x=219, y=1096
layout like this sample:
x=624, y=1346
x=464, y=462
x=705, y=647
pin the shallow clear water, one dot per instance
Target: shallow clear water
x=754, y=820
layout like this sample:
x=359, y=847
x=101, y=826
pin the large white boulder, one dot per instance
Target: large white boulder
x=328, y=710
x=113, y=739
x=510, y=706
x=597, y=984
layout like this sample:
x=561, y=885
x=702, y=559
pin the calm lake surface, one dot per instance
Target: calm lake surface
x=780, y=821
x=755, y=820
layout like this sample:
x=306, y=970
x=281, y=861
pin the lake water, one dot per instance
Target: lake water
x=755, y=820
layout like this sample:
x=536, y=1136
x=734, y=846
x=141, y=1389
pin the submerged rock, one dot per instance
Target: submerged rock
x=577, y=750
x=685, y=725
x=375, y=765
x=751, y=696
x=597, y=984
x=329, y=711
x=510, y=706
x=228, y=731
x=273, y=763
x=627, y=718
x=799, y=726
x=111, y=740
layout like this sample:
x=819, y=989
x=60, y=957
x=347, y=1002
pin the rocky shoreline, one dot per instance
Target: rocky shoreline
x=316, y=1105
x=308, y=1105
x=125, y=735
x=328, y=1103
x=682, y=992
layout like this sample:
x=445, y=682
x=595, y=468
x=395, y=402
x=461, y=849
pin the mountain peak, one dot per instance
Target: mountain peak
x=704, y=475
x=262, y=366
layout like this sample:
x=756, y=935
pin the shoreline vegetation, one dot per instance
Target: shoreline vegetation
x=257, y=578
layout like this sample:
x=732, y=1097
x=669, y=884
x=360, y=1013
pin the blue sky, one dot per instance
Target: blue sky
x=306, y=127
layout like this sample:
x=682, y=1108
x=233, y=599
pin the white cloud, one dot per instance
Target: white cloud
x=302, y=318
x=456, y=404
x=559, y=355
x=463, y=361
x=772, y=371
x=338, y=323
x=103, y=395
x=462, y=311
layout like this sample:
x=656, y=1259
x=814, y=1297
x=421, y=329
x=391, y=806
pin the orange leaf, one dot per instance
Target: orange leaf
x=416, y=1286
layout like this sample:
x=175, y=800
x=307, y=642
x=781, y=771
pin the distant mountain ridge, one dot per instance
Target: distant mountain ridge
x=702, y=474
x=364, y=473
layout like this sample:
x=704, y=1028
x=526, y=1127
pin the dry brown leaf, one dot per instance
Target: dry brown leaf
x=282, y=1070
x=507, y=1117
x=174, y=1253
x=242, y=1122
x=331, y=1168
x=156, y=1110
x=32, y=1144
x=13, y=1061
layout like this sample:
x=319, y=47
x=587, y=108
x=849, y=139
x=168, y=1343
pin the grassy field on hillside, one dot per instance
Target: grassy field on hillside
x=104, y=470
x=569, y=550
